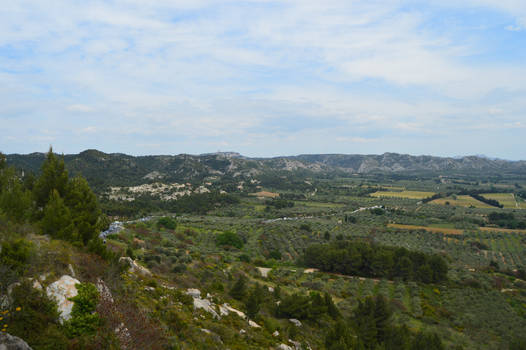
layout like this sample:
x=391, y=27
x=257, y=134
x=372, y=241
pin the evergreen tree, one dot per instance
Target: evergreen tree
x=428, y=341
x=382, y=315
x=54, y=176
x=14, y=200
x=318, y=306
x=253, y=304
x=239, y=289
x=332, y=310
x=57, y=220
x=85, y=210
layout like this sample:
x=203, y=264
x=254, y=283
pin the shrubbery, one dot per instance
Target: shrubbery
x=229, y=238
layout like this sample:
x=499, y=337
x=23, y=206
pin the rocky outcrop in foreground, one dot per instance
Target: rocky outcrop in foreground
x=61, y=291
x=10, y=342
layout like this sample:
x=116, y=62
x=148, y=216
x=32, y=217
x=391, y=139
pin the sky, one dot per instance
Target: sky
x=264, y=78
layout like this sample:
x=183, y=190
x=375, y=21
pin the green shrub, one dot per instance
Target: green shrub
x=16, y=254
x=229, y=238
x=37, y=319
x=84, y=320
x=167, y=222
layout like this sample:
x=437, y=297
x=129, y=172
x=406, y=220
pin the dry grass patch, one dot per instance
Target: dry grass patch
x=452, y=231
x=461, y=201
x=403, y=194
x=265, y=194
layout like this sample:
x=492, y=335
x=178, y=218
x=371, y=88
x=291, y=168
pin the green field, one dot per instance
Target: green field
x=506, y=199
x=461, y=201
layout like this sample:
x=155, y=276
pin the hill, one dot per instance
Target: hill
x=112, y=169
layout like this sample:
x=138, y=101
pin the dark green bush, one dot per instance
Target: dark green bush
x=16, y=254
x=229, y=238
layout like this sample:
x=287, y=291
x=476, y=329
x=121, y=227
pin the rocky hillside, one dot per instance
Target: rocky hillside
x=102, y=169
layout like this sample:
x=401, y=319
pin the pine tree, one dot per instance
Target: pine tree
x=238, y=291
x=57, y=220
x=54, y=177
x=84, y=208
x=382, y=314
x=253, y=304
x=332, y=310
x=14, y=200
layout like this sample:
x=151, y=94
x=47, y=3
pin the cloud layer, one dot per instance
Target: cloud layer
x=264, y=77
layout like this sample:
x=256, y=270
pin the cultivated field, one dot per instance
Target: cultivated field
x=506, y=199
x=498, y=229
x=461, y=201
x=452, y=231
x=403, y=194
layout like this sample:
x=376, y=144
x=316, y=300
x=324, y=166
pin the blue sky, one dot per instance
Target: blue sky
x=264, y=78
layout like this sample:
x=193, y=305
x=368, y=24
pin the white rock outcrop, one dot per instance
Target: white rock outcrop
x=194, y=292
x=225, y=309
x=253, y=324
x=10, y=342
x=134, y=266
x=296, y=322
x=206, y=305
x=284, y=347
x=61, y=291
x=264, y=271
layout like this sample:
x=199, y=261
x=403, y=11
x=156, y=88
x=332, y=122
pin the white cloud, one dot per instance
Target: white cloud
x=79, y=108
x=220, y=71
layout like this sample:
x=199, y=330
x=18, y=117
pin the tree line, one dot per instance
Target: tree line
x=372, y=260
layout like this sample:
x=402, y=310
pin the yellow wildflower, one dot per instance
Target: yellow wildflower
x=18, y=308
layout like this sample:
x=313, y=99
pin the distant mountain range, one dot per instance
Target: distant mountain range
x=103, y=169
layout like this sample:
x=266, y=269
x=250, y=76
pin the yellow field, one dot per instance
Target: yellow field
x=452, y=231
x=462, y=201
x=265, y=194
x=403, y=194
x=506, y=199
x=498, y=229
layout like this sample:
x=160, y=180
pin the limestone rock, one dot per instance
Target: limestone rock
x=37, y=285
x=10, y=342
x=206, y=305
x=264, y=271
x=275, y=334
x=296, y=322
x=225, y=309
x=61, y=291
x=284, y=347
x=253, y=324
x=134, y=266
x=193, y=292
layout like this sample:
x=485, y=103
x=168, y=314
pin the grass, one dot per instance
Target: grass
x=403, y=194
x=453, y=231
x=498, y=229
x=318, y=204
x=461, y=201
x=506, y=199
